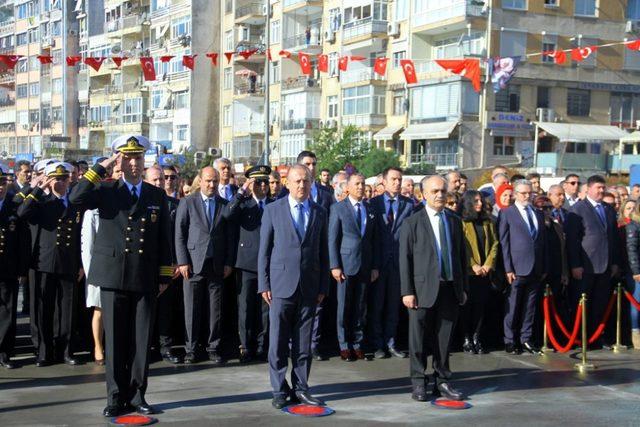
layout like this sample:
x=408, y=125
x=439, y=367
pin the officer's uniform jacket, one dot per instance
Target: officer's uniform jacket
x=14, y=242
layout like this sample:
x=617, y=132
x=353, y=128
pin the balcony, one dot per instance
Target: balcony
x=301, y=82
x=439, y=160
x=7, y=27
x=454, y=14
x=248, y=88
x=246, y=148
x=362, y=29
x=258, y=56
x=252, y=13
x=7, y=102
x=251, y=126
x=556, y=163
x=7, y=78
x=124, y=23
x=300, y=124
x=365, y=120
x=295, y=4
x=359, y=75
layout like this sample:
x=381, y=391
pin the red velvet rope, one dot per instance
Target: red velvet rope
x=632, y=300
x=574, y=335
x=599, y=330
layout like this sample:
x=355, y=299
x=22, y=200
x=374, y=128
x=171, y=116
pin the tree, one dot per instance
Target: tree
x=334, y=150
x=375, y=161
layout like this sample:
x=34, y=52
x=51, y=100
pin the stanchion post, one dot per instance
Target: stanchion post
x=618, y=347
x=545, y=343
x=584, y=366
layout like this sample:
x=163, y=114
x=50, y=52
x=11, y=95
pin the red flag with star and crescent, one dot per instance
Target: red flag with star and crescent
x=323, y=63
x=246, y=54
x=148, y=69
x=380, y=66
x=633, y=45
x=559, y=56
x=10, y=60
x=343, y=63
x=305, y=63
x=45, y=59
x=409, y=70
x=228, y=55
x=73, y=60
x=214, y=58
x=166, y=58
x=189, y=61
x=118, y=60
x=94, y=62
x=285, y=53
x=579, y=54
x=467, y=68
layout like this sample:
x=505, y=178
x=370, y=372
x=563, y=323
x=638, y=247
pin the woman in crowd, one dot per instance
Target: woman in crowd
x=633, y=252
x=368, y=192
x=504, y=198
x=453, y=201
x=482, y=249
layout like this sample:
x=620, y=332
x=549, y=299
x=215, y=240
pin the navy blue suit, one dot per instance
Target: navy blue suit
x=525, y=256
x=353, y=250
x=595, y=247
x=295, y=272
x=384, y=297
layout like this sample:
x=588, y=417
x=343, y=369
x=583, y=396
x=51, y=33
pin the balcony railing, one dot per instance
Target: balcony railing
x=289, y=3
x=249, y=9
x=128, y=21
x=363, y=27
x=364, y=119
x=311, y=39
x=457, y=9
x=439, y=160
x=7, y=102
x=300, y=124
x=300, y=82
x=7, y=78
x=245, y=46
x=247, y=88
x=359, y=75
x=253, y=126
x=7, y=26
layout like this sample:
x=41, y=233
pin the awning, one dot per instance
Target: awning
x=631, y=138
x=387, y=133
x=570, y=132
x=437, y=130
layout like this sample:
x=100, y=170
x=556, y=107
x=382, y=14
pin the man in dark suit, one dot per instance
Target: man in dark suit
x=205, y=251
x=523, y=239
x=246, y=209
x=558, y=273
x=353, y=258
x=131, y=261
x=225, y=189
x=23, y=176
x=14, y=263
x=390, y=210
x=593, y=249
x=55, y=260
x=433, y=277
x=571, y=186
x=292, y=278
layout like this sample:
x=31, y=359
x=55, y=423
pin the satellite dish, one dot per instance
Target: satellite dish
x=116, y=49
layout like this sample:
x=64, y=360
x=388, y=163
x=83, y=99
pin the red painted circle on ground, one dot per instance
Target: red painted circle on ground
x=451, y=404
x=309, y=410
x=133, y=420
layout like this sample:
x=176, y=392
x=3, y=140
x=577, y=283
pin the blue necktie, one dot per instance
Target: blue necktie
x=359, y=217
x=134, y=194
x=445, y=262
x=300, y=221
x=261, y=205
x=532, y=227
x=600, y=212
x=208, y=208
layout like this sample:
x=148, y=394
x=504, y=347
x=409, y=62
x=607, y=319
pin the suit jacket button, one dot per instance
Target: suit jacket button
x=57, y=243
x=141, y=240
x=128, y=239
x=140, y=251
x=142, y=230
x=144, y=219
x=59, y=220
x=130, y=218
x=127, y=250
x=68, y=244
x=128, y=228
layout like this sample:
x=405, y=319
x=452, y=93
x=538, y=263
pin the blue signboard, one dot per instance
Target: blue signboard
x=25, y=156
x=172, y=159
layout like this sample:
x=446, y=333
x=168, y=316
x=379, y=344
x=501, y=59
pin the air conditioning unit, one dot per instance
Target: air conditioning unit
x=329, y=36
x=546, y=114
x=199, y=156
x=632, y=27
x=215, y=152
x=241, y=33
x=393, y=29
x=267, y=9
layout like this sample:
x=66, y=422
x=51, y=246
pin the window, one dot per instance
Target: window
x=398, y=102
x=443, y=101
x=401, y=10
x=274, y=72
x=228, y=78
x=513, y=43
x=514, y=4
x=21, y=39
x=274, y=111
x=132, y=110
x=182, y=132
x=543, y=97
x=22, y=65
x=397, y=56
x=46, y=117
x=56, y=28
x=508, y=100
x=100, y=114
x=34, y=116
x=274, y=34
x=585, y=8
x=34, y=89
x=181, y=99
x=335, y=19
x=56, y=85
x=21, y=11
x=503, y=145
x=33, y=35
x=332, y=106
x=226, y=115
x=550, y=3
x=22, y=91
x=57, y=56
x=459, y=46
x=56, y=114
x=34, y=63
x=156, y=98
x=333, y=64
x=23, y=118
x=633, y=9
x=578, y=102
x=549, y=43
x=181, y=26
x=625, y=109
x=228, y=41
x=363, y=100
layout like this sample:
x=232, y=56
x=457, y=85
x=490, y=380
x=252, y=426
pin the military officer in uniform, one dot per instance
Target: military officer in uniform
x=246, y=209
x=55, y=259
x=14, y=263
x=131, y=256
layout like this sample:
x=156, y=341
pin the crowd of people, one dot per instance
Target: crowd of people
x=132, y=264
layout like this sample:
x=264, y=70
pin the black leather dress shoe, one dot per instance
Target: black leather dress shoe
x=279, y=402
x=245, y=357
x=72, y=361
x=306, y=398
x=190, y=358
x=215, y=357
x=477, y=346
x=467, y=346
x=531, y=348
x=111, y=411
x=317, y=355
x=6, y=363
x=445, y=390
x=419, y=393
x=380, y=354
x=170, y=357
x=396, y=353
x=41, y=363
x=510, y=348
x=145, y=409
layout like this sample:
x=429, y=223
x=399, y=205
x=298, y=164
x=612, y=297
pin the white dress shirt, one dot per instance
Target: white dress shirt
x=434, y=220
x=363, y=213
x=523, y=214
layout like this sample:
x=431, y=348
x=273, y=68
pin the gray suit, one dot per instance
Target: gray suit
x=295, y=272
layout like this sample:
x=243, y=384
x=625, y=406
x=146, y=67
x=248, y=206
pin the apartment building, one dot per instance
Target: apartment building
x=552, y=117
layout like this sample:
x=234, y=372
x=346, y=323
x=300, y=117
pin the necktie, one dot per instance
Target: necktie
x=532, y=227
x=557, y=214
x=600, y=212
x=359, y=217
x=445, y=266
x=390, y=216
x=134, y=194
x=300, y=220
x=261, y=205
x=209, y=210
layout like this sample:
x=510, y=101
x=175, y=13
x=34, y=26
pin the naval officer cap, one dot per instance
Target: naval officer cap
x=130, y=144
x=58, y=170
x=39, y=166
x=258, y=172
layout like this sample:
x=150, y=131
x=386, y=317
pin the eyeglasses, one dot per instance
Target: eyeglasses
x=171, y=177
x=573, y=182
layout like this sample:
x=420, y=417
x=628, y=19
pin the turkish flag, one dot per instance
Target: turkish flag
x=94, y=62
x=581, y=53
x=343, y=63
x=305, y=63
x=468, y=68
x=357, y=58
x=228, y=55
x=118, y=60
x=246, y=54
x=559, y=56
x=380, y=66
x=148, y=69
x=10, y=60
x=269, y=55
x=214, y=58
x=633, y=45
x=409, y=71
x=189, y=61
x=166, y=58
x=323, y=63
x=45, y=59
x=285, y=53
x=73, y=60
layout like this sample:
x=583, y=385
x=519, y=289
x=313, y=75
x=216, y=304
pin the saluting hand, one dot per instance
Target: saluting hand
x=247, y=184
x=111, y=160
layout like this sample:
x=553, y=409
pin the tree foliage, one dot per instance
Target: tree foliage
x=375, y=161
